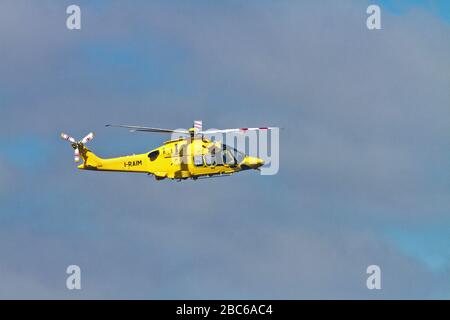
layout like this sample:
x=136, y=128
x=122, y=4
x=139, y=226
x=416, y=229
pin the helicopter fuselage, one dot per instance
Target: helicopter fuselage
x=177, y=159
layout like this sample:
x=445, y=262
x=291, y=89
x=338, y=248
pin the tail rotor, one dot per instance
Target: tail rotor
x=77, y=145
x=67, y=138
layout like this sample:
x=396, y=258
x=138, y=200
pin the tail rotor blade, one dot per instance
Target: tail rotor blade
x=89, y=137
x=67, y=138
x=76, y=155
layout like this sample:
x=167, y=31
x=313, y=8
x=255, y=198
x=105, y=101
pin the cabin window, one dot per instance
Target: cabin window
x=153, y=155
x=198, y=161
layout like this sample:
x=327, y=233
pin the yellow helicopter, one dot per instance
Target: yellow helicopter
x=190, y=156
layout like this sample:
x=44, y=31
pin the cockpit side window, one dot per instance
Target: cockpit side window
x=229, y=156
x=238, y=156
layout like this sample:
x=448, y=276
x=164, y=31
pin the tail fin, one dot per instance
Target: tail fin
x=90, y=159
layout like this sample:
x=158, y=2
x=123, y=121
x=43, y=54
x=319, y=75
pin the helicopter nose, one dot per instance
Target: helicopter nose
x=252, y=163
x=259, y=162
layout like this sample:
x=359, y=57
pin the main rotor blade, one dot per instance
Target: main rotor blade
x=240, y=130
x=147, y=129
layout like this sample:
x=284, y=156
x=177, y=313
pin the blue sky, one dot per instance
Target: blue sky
x=364, y=155
x=440, y=8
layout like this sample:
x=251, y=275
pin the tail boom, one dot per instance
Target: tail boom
x=132, y=163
